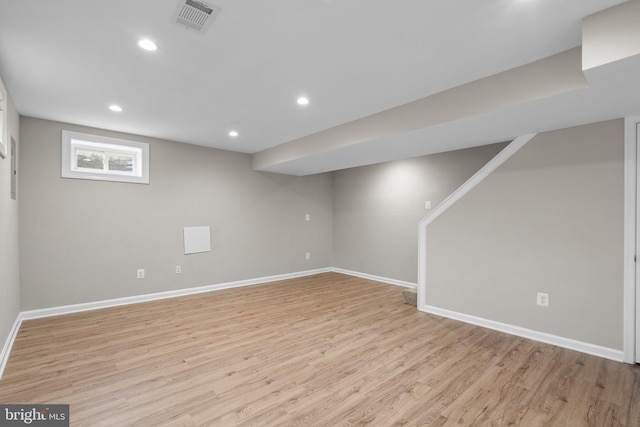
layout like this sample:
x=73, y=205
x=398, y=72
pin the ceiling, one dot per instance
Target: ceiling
x=68, y=60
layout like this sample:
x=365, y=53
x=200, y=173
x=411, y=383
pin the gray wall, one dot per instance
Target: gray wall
x=9, y=262
x=82, y=241
x=548, y=220
x=551, y=220
x=377, y=208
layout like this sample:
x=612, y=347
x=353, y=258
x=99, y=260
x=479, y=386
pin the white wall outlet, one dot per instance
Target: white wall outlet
x=308, y=255
x=543, y=299
x=178, y=269
x=140, y=273
x=427, y=204
x=307, y=217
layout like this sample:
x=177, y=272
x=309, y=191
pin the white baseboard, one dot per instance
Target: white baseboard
x=375, y=278
x=8, y=344
x=593, y=349
x=95, y=305
x=75, y=308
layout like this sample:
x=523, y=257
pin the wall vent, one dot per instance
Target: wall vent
x=195, y=15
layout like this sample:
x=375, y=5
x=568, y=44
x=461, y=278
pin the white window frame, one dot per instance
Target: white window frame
x=74, y=141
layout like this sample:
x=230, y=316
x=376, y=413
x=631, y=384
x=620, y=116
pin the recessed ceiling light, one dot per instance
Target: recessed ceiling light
x=233, y=133
x=303, y=100
x=147, y=44
x=115, y=108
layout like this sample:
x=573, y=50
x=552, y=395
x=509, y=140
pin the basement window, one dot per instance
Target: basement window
x=95, y=157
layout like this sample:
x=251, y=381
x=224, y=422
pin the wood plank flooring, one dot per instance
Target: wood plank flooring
x=325, y=350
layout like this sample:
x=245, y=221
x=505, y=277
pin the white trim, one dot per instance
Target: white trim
x=629, y=289
x=476, y=179
x=375, y=278
x=96, y=305
x=75, y=308
x=422, y=266
x=515, y=330
x=593, y=349
x=631, y=354
x=140, y=151
x=8, y=344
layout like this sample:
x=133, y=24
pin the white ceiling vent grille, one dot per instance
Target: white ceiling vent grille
x=195, y=15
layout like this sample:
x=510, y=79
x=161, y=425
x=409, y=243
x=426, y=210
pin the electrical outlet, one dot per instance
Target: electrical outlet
x=543, y=299
x=307, y=217
x=178, y=269
x=140, y=274
x=308, y=255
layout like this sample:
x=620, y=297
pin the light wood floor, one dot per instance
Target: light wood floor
x=319, y=351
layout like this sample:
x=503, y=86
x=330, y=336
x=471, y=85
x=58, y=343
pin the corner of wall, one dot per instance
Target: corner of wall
x=9, y=246
x=465, y=188
x=529, y=228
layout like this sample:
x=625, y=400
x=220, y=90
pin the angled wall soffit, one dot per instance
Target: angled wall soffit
x=547, y=77
x=611, y=35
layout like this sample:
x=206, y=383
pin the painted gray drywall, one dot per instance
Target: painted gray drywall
x=549, y=220
x=82, y=241
x=377, y=208
x=9, y=260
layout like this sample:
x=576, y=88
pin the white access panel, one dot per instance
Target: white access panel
x=197, y=239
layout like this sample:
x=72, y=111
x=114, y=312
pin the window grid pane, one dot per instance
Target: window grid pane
x=121, y=162
x=86, y=159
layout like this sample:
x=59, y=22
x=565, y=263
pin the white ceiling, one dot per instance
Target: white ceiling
x=67, y=60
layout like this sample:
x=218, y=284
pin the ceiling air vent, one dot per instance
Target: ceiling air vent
x=195, y=15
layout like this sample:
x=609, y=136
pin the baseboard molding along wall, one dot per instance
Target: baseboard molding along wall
x=510, y=329
x=484, y=172
x=96, y=305
x=375, y=278
x=8, y=344
x=592, y=349
x=75, y=308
